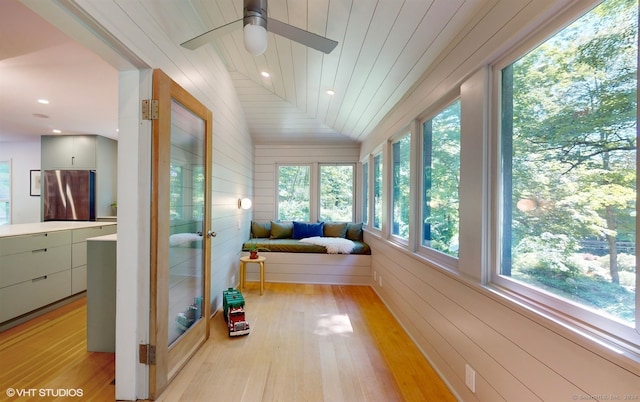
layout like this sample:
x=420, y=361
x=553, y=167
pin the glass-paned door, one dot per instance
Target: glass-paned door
x=180, y=230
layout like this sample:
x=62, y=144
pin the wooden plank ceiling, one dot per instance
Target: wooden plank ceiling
x=384, y=47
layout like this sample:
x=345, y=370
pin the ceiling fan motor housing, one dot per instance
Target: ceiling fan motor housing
x=255, y=13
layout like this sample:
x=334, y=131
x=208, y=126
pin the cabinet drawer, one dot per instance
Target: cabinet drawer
x=80, y=235
x=28, y=296
x=35, y=241
x=29, y=265
x=78, y=254
x=78, y=279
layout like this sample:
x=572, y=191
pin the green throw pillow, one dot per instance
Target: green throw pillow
x=281, y=230
x=335, y=229
x=354, y=231
x=260, y=229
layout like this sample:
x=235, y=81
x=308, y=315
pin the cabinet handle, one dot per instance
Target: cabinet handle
x=40, y=250
x=39, y=278
x=73, y=160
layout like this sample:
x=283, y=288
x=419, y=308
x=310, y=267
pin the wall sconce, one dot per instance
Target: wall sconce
x=244, y=203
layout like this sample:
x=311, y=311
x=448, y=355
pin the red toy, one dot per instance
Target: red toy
x=233, y=305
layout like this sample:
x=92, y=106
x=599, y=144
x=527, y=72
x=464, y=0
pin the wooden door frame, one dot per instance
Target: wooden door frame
x=168, y=364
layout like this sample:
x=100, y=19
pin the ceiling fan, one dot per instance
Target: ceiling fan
x=255, y=23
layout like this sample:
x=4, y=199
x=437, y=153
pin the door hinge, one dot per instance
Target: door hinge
x=149, y=109
x=147, y=353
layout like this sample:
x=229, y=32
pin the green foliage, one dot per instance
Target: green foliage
x=573, y=157
x=546, y=255
x=336, y=193
x=293, y=192
x=377, y=191
x=401, y=186
x=603, y=295
x=442, y=179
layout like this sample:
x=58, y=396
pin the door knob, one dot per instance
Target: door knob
x=211, y=233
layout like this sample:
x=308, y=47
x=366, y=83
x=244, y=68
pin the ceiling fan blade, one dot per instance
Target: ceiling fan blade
x=215, y=33
x=301, y=36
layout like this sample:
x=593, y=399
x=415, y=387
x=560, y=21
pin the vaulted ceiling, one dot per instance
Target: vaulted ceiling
x=384, y=47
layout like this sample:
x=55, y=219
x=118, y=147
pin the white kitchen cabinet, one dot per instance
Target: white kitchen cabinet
x=101, y=294
x=43, y=263
x=68, y=151
x=35, y=270
x=79, y=254
x=27, y=296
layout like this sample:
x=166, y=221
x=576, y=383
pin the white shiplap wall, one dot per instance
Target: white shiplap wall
x=517, y=354
x=232, y=143
x=268, y=156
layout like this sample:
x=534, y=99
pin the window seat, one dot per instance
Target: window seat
x=291, y=261
x=296, y=246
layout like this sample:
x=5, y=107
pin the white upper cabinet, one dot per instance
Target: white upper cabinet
x=69, y=152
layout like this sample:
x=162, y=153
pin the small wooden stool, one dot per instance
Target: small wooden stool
x=243, y=271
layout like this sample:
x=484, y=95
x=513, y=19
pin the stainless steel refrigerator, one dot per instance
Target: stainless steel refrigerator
x=69, y=195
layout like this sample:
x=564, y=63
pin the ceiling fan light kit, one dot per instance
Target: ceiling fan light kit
x=255, y=26
x=254, y=23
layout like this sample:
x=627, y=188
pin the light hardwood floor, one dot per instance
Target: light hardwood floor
x=307, y=343
x=50, y=353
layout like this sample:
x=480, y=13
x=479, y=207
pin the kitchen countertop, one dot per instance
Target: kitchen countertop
x=109, y=237
x=21, y=229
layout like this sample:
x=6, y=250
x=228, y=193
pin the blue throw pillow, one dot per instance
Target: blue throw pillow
x=303, y=230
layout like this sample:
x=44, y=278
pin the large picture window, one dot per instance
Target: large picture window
x=401, y=177
x=440, y=180
x=569, y=182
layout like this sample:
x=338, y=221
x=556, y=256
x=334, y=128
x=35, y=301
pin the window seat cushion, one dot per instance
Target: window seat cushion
x=296, y=246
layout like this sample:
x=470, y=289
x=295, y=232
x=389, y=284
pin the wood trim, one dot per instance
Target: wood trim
x=169, y=360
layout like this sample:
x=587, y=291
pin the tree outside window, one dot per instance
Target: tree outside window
x=441, y=180
x=365, y=193
x=377, y=191
x=294, y=192
x=569, y=135
x=336, y=192
x=401, y=176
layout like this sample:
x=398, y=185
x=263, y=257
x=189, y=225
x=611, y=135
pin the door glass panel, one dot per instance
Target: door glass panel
x=186, y=214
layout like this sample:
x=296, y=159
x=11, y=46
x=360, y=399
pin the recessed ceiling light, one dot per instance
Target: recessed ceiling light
x=43, y=101
x=331, y=92
x=56, y=131
x=265, y=74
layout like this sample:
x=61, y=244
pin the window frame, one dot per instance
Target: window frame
x=577, y=317
x=439, y=257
